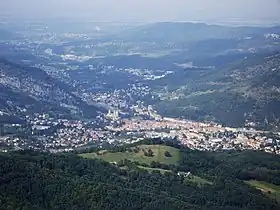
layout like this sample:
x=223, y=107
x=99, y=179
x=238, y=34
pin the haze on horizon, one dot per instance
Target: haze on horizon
x=145, y=10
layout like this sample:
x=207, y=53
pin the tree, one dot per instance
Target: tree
x=149, y=153
x=136, y=149
x=153, y=164
x=167, y=154
x=1, y=130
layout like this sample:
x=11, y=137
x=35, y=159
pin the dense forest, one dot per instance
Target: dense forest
x=242, y=91
x=33, y=180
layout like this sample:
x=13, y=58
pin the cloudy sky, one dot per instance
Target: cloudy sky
x=145, y=10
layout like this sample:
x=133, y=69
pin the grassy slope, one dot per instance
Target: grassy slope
x=158, y=152
x=192, y=178
x=162, y=171
x=198, y=180
x=269, y=189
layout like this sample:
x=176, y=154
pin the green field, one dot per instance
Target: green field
x=198, y=180
x=192, y=178
x=162, y=171
x=269, y=189
x=158, y=155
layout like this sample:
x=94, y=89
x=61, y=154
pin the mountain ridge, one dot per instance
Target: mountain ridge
x=27, y=87
x=229, y=95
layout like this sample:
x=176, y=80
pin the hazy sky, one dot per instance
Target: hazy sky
x=145, y=10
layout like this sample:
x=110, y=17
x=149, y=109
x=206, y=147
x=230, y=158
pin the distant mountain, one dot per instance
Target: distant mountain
x=247, y=91
x=139, y=62
x=26, y=90
x=184, y=32
x=7, y=35
x=202, y=44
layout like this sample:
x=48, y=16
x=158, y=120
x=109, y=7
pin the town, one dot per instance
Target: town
x=45, y=133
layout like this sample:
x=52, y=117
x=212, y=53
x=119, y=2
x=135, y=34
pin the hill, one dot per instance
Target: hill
x=161, y=159
x=139, y=62
x=27, y=90
x=267, y=188
x=197, y=43
x=139, y=154
x=246, y=91
x=32, y=180
x=186, y=31
x=7, y=35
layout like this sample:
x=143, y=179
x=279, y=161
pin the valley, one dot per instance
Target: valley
x=120, y=84
x=139, y=105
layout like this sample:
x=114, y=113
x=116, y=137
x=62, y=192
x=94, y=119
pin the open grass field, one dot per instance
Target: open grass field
x=158, y=155
x=162, y=171
x=192, y=178
x=198, y=180
x=269, y=189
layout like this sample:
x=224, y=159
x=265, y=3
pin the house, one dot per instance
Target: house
x=184, y=174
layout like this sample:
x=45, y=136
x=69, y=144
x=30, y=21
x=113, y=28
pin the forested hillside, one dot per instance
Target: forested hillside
x=27, y=90
x=246, y=91
x=31, y=180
